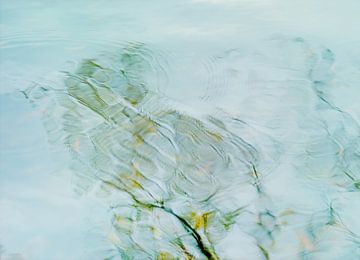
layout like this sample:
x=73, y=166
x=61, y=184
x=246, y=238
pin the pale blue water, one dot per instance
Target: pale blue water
x=283, y=75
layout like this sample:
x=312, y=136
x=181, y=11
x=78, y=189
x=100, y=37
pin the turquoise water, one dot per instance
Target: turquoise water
x=246, y=110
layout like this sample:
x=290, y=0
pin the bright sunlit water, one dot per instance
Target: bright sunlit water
x=196, y=129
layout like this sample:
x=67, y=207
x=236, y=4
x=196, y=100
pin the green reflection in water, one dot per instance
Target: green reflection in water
x=168, y=169
x=174, y=179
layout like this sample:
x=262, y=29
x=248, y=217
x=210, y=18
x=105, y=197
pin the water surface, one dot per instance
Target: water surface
x=193, y=129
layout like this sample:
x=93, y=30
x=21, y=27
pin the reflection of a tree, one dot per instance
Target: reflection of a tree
x=171, y=170
x=171, y=175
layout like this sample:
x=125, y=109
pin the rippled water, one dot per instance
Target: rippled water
x=202, y=129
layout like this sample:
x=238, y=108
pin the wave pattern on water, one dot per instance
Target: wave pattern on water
x=181, y=186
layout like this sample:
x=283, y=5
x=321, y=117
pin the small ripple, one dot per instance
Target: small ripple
x=217, y=78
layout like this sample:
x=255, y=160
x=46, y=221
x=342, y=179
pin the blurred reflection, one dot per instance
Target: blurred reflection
x=178, y=184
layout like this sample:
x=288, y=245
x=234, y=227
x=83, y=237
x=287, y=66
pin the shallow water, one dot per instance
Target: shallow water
x=202, y=129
